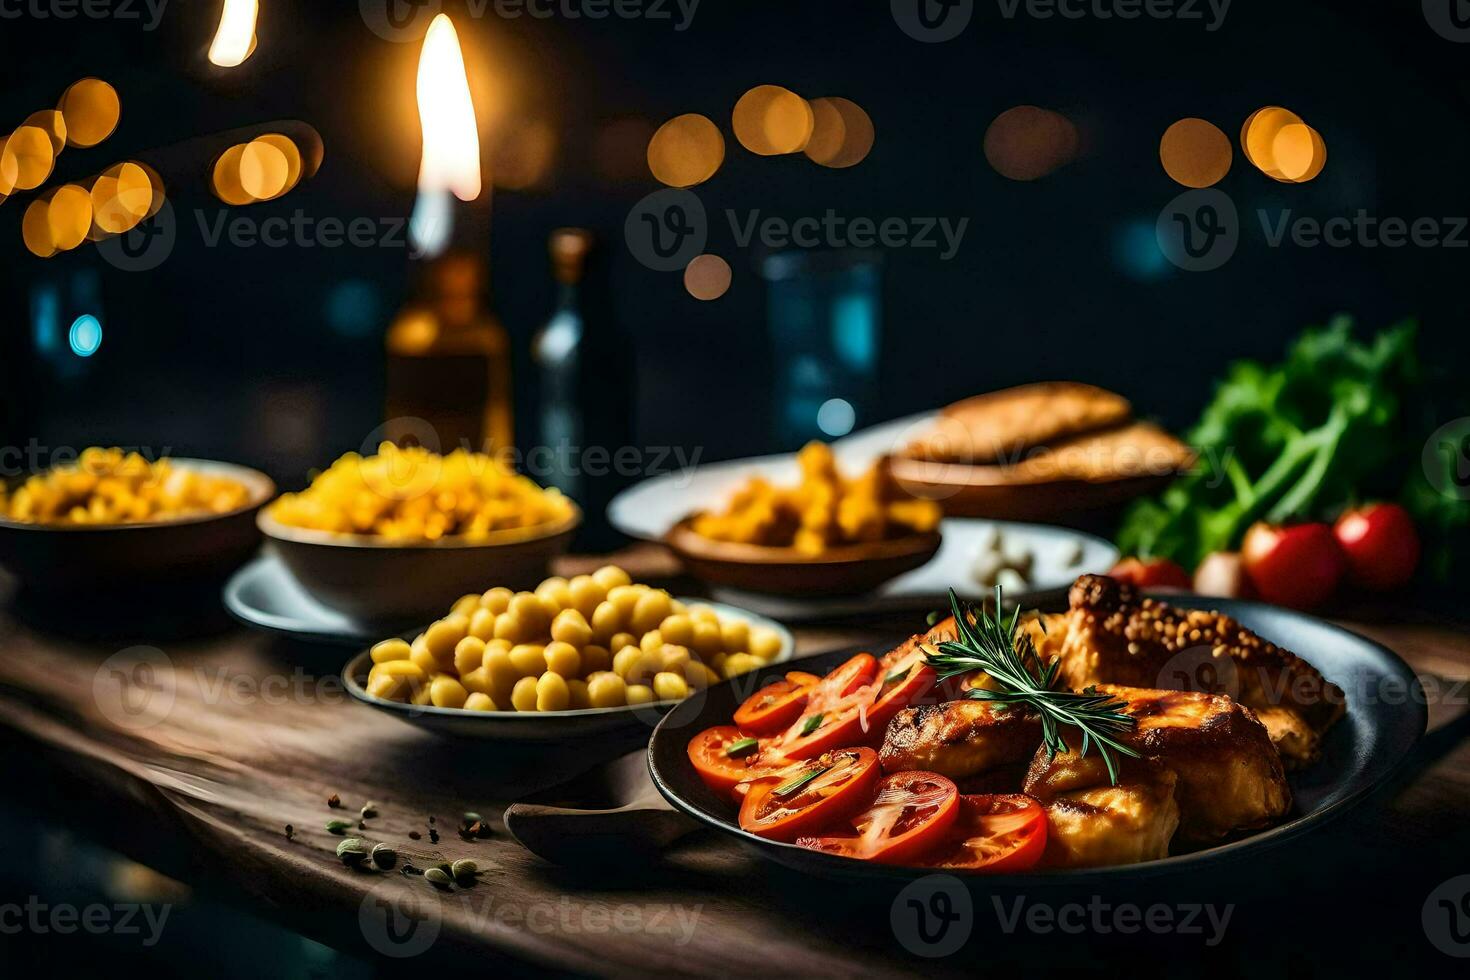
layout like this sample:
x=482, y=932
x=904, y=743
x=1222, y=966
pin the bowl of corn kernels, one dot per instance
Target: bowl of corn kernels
x=393, y=537
x=573, y=657
x=114, y=518
x=830, y=534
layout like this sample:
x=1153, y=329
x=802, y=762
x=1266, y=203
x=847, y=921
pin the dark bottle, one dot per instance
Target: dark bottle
x=449, y=361
x=585, y=382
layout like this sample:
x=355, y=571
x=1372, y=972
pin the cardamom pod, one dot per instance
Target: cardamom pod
x=352, y=851
x=437, y=877
x=384, y=856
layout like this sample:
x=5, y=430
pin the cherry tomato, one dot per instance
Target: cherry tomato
x=833, y=713
x=1381, y=546
x=910, y=816
x=776, y=705
x=807, y=796
x=995, y=834
x=1297, y=566
x=709, y=751
x=1151, y=573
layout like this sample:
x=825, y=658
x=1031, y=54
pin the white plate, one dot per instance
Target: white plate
x=266, y=596
x=550, y=726
x=648, y=509
x=953, y=568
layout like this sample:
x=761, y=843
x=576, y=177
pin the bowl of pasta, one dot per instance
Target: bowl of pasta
x=113, y=519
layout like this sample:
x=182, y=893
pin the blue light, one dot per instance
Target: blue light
x=85, y=335
x=1136, y=251
x=836, y=417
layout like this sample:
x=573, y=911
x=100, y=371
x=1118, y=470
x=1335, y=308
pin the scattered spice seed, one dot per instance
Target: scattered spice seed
x=352, y=851
x=362, y=825
x=369, y=811
x=337, y=826
x=334, y=801
x=431, y=819
x=433, y=836
x=415, y=835
x=290, y=832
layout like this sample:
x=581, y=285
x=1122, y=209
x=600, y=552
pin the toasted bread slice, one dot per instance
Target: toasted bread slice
x=1229, y=775
x=998, y=426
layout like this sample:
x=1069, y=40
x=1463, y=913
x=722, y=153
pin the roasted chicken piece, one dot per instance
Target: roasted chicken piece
x=959, y=739
x=1114, y=635
x=1124, y=824
x=1229, y=775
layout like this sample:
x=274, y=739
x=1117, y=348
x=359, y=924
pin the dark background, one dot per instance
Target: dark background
x=273, y=357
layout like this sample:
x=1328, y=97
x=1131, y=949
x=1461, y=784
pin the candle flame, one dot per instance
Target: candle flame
x=235, y=39
x=451, y=159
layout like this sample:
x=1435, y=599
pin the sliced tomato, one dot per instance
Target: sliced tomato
x=831, y=717
x=910, y=815
x=710, y=750
x=776, y=705
x=810, y=795
x=905, y=680
x=995, y=834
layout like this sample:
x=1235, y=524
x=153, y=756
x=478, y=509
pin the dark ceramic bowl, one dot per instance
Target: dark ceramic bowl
x=850, y=569
x=62, y=558
x=1386, y=715
x=377, y=581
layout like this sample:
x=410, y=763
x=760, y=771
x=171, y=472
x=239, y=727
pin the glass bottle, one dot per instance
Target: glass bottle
x=449, y=362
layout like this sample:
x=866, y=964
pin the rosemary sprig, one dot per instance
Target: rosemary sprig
x=988, y=643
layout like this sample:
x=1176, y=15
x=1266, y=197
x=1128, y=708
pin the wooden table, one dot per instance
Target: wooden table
x=201, y=750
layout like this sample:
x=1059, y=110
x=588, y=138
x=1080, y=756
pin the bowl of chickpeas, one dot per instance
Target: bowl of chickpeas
x=581, y=656
x=828, y=535
x=114, y=519
x=391, y=538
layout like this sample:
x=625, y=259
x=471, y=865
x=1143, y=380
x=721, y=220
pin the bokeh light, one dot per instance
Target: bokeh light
x=35, y=229
x=91, y=110
x=686, y=150
x=770, y=120
x=1028, y=142
x=524, y=152
x=53, y=124
x=1283, y=147
x=836, y=417
x=1298, y=153
x=1195, y=152
x=26, y=159
x=69, y=216
x=842, y=133
x=85, y=335
x=262, y=170
x=707, y=277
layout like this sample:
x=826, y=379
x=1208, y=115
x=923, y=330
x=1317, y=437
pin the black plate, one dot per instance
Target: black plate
x=1386, y=715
